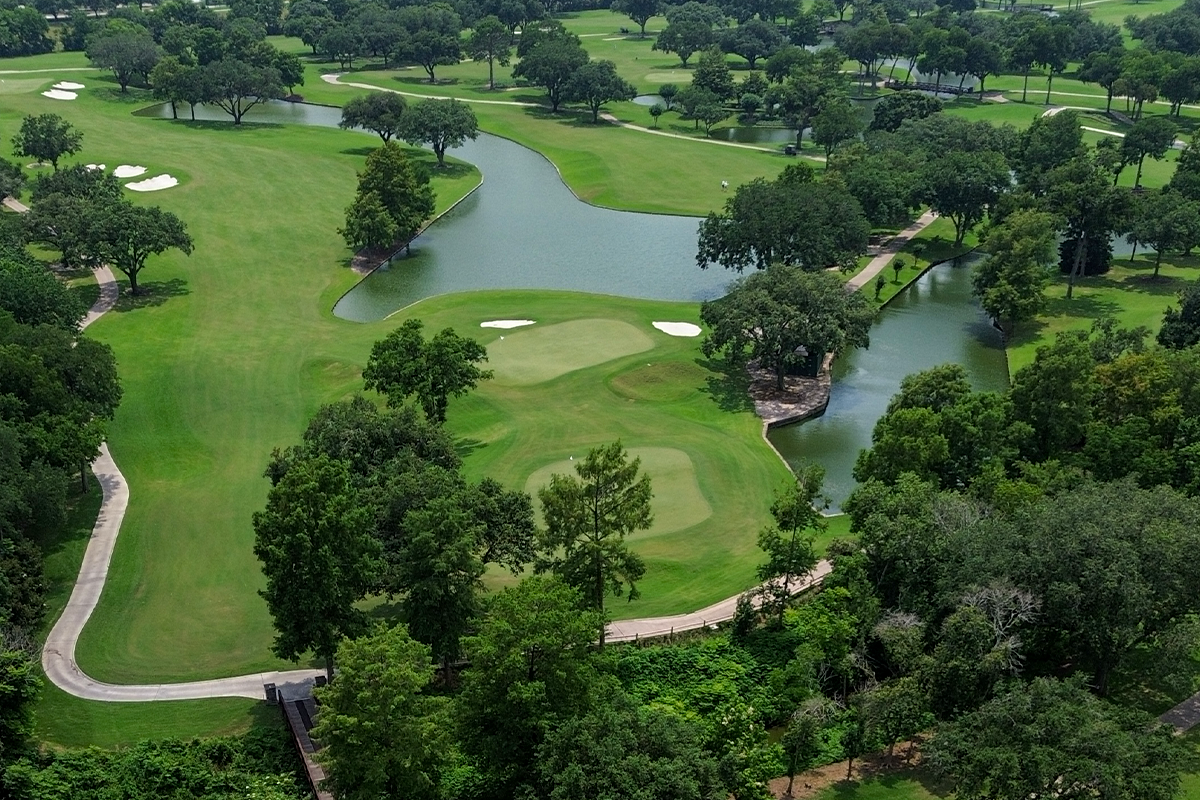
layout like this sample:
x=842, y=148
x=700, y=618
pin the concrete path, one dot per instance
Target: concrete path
x=629, y=630
x=879, y=262
x=1184, y=716
x=58, y=654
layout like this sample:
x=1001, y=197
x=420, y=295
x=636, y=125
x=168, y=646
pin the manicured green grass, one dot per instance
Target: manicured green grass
x=536, y=355
x=678, y=502
x=604, y=164
x=690, y=423
x=226, y=357
x=66, y=721
x=1129, y=293
x=902, y=785
x=232, y=350
x=1114, y=12
x=56, y=61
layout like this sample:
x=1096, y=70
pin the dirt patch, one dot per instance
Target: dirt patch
x=907, y=759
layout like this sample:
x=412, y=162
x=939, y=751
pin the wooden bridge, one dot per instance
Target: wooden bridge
x=300, y=713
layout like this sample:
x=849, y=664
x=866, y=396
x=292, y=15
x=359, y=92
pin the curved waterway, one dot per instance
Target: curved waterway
x=935, y=321
x=524, y=229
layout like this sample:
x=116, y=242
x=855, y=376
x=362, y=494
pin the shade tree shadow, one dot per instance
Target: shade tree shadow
x=728, y=385
x=466, y=446
x=150, y=293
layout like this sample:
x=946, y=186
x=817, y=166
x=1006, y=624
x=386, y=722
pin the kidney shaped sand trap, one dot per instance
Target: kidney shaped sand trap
x=128, y=171
x=505, y=324
x=59, y=94
x=539, y=354
x=678, y=502
x=68, y=85
x=153, y=184
x=678, y=328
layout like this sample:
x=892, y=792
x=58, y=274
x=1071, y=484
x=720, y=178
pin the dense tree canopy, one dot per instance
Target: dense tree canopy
x=440, y=124
x=318, y=556
x=786, y=319
x=379, y=112
x=404, y=364
x=793, y=221
x=47, y=137
x=588, y=516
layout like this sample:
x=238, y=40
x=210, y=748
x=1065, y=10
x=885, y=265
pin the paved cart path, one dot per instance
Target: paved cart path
x=889, y=251
x=58, y=655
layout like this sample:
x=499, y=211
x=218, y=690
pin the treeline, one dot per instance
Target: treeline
x=58, y=388
x=1003, y=586
x=260, y=765
x=1048, y=198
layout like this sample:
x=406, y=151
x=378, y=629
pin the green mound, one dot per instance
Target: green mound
x=659, y=383
x=678, y=502
x=541, y=354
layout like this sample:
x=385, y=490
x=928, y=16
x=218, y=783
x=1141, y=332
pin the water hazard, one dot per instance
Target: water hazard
x=524, y=229
x=935, y=321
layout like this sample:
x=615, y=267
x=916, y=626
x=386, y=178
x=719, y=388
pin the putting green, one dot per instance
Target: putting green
x=540, y=354
x=678, y=502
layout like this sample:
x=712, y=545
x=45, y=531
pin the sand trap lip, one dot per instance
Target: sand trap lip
x=506, y=323
x=68, y=85
x=128, y=171
x=153, y=184
x=100, y=167
x=59, y=94
x=678, y=328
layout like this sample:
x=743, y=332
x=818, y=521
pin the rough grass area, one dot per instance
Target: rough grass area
x=1128, y=292
x=66, y=721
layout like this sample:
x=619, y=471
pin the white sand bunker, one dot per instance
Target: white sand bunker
x=506, y=323
x=100, y=167
x=678, y=328
x=153, y=184
x=68, y=85
x=59, y=94
x=128, y=171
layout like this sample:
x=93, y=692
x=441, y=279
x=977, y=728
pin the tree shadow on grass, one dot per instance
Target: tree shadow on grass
x=359, y=151
x=221, y=125
x=153, y=293
x=1082, y=306
x=728, y=385
x=466, y=446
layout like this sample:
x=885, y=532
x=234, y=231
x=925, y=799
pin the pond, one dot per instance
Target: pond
x=755, y=134
x=935, y=321
x=524, y=229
